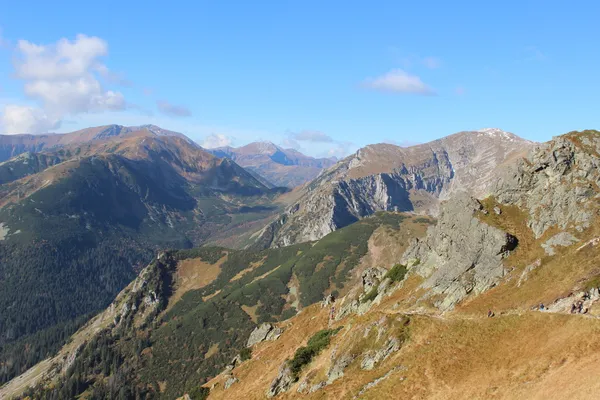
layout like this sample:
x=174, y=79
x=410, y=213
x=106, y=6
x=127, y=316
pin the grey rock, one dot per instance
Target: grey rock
x=230, y=381
x=562, y=239
x=381, y=177
x=337, y=369
x=259, y=334
x=371, y=278
x=274, y=334
x=372, y=358
x=554, y=185
x=460, y=255
x=497, y=210
x=282, y=382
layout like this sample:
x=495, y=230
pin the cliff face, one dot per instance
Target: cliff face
x=460, y=255
x=385, y=177
x=557, y=183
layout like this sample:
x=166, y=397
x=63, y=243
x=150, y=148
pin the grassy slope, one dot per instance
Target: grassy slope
x=463, y=354
x=212, y=313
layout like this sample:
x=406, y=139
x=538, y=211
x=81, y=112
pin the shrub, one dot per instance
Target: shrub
x=370, y=296
x=315, y=345
x=396, y=273
x=246, y=353
x=199, y=393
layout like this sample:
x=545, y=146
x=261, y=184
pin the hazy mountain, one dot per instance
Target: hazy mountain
x=13, y=145
x=384, y=177
x=498, y=297
x=281, y=167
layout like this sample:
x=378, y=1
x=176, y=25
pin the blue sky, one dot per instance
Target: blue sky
x=327, y=77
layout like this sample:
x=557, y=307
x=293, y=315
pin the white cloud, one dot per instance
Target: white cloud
x=399, y=81
x=23, y=119
x=311, y=136
x=290, y=143
x=63, y=78
x=172, y=110
x=217, y=140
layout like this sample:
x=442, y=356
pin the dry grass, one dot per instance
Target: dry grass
x=193, y=274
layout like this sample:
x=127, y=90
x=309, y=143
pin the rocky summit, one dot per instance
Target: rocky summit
x=386, y=177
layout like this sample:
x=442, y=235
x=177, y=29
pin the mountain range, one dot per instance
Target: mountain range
x=280, y=167
x=139, y=265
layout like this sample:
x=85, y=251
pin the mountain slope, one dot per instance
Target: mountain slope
x=190, y=312
x=431, y=335
x=282, y=167
x=77, y=223
x=13, y=145
x=387, y=177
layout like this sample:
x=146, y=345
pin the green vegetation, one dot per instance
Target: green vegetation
x=246, y=353
x=199, y=393
x=396, y=273
x=370, y=296
x=173, y=345
x=305, y=354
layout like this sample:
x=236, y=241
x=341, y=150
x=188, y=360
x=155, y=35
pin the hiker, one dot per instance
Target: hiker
x=490, y=314
x=573, y=308
x=542, y=308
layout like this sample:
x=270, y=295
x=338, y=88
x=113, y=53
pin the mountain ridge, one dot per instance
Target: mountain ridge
x=281, y=167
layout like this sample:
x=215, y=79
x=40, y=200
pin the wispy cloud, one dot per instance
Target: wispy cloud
x=173, y=110
x=399, y=81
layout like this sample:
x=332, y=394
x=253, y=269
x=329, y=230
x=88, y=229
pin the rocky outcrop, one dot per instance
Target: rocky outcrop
x=373, y=357
x=562, y=239
x=460, y=255
x=556, y=183
x=385, y=177
x=265, y=331
x=283, y=381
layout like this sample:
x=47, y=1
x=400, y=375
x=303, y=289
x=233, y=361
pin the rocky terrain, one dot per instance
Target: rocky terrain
x=498, y=297
x=278, y=166
x=387, y=177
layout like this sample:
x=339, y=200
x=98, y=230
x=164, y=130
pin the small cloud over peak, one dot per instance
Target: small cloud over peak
x=399, y=81
x=217, y=140
x=173, y=110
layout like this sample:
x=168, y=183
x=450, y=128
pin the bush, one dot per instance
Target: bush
x=246, y=353
x=315, y=345
x=396, y=273
x=370, y=296
x=199, y=393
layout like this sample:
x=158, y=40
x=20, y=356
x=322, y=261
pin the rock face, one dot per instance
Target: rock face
x=282, y=382
x=385, y=177
x=461, y=254
x=562, y=239
x=264, y=331
x=555, y=183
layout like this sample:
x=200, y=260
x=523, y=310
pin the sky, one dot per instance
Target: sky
x=324, y=77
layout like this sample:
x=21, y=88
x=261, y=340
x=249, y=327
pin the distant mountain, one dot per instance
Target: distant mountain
x=281, y=167
x=78, y=220
x=13, y=145
x=384, y=177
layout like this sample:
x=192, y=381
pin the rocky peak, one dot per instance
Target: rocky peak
x=385, y=177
